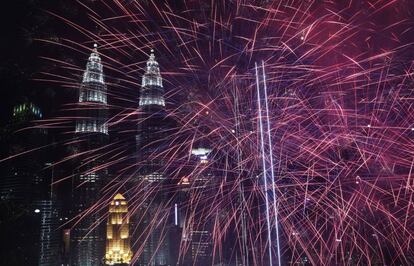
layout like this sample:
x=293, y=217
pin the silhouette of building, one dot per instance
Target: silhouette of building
x=29, y=210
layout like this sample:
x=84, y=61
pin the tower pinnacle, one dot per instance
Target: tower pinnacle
x=94, y=69
x=151, y=88
x=93, y=91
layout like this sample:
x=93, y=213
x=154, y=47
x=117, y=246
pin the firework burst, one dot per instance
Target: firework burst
x=339, y=103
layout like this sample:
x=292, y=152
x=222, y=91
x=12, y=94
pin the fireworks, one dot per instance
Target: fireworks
x=338, y=101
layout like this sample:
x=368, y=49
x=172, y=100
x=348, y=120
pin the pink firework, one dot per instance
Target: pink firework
x=338, y=77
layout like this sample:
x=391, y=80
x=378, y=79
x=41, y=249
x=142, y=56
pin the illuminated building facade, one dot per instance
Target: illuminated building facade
x=118, y=249
x=201, y=231
x=87, y=236
x=152, y=90
x=196, y=240
x=152, y=125
x=92, y=94
x=153, y=128
x=27, y=111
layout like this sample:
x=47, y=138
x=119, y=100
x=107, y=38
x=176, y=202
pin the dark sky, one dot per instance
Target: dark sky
x=19, y=20
x=22, y=22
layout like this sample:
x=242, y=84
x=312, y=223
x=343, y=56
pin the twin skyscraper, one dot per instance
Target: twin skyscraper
x=130, y=237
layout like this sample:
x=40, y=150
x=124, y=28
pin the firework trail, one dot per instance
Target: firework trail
x=339, y=78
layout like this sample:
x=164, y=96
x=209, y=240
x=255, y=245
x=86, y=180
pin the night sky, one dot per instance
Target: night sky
x=23, y=24
x=26, y=24
x=33, y=36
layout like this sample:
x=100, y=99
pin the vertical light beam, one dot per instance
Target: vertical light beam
x=259, y=105
x=272, y=172
x=175, y=214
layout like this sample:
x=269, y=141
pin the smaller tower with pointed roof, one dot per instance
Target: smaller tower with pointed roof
x=118, y=249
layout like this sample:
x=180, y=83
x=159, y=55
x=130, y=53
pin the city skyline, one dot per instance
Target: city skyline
x=186, y=132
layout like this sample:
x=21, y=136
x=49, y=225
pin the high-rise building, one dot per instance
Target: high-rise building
x=20, y=136
x=50, y=233
x=118, y=247
x=87, y=235
x=153, y=128
x=197, y=240
x=30, y=221
x=153, y=125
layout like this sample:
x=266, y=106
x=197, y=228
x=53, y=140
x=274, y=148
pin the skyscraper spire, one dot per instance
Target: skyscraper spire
x=93, y=87
x=152, y=132
x=88, y=237
x=93, y=92
x=151, y=87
